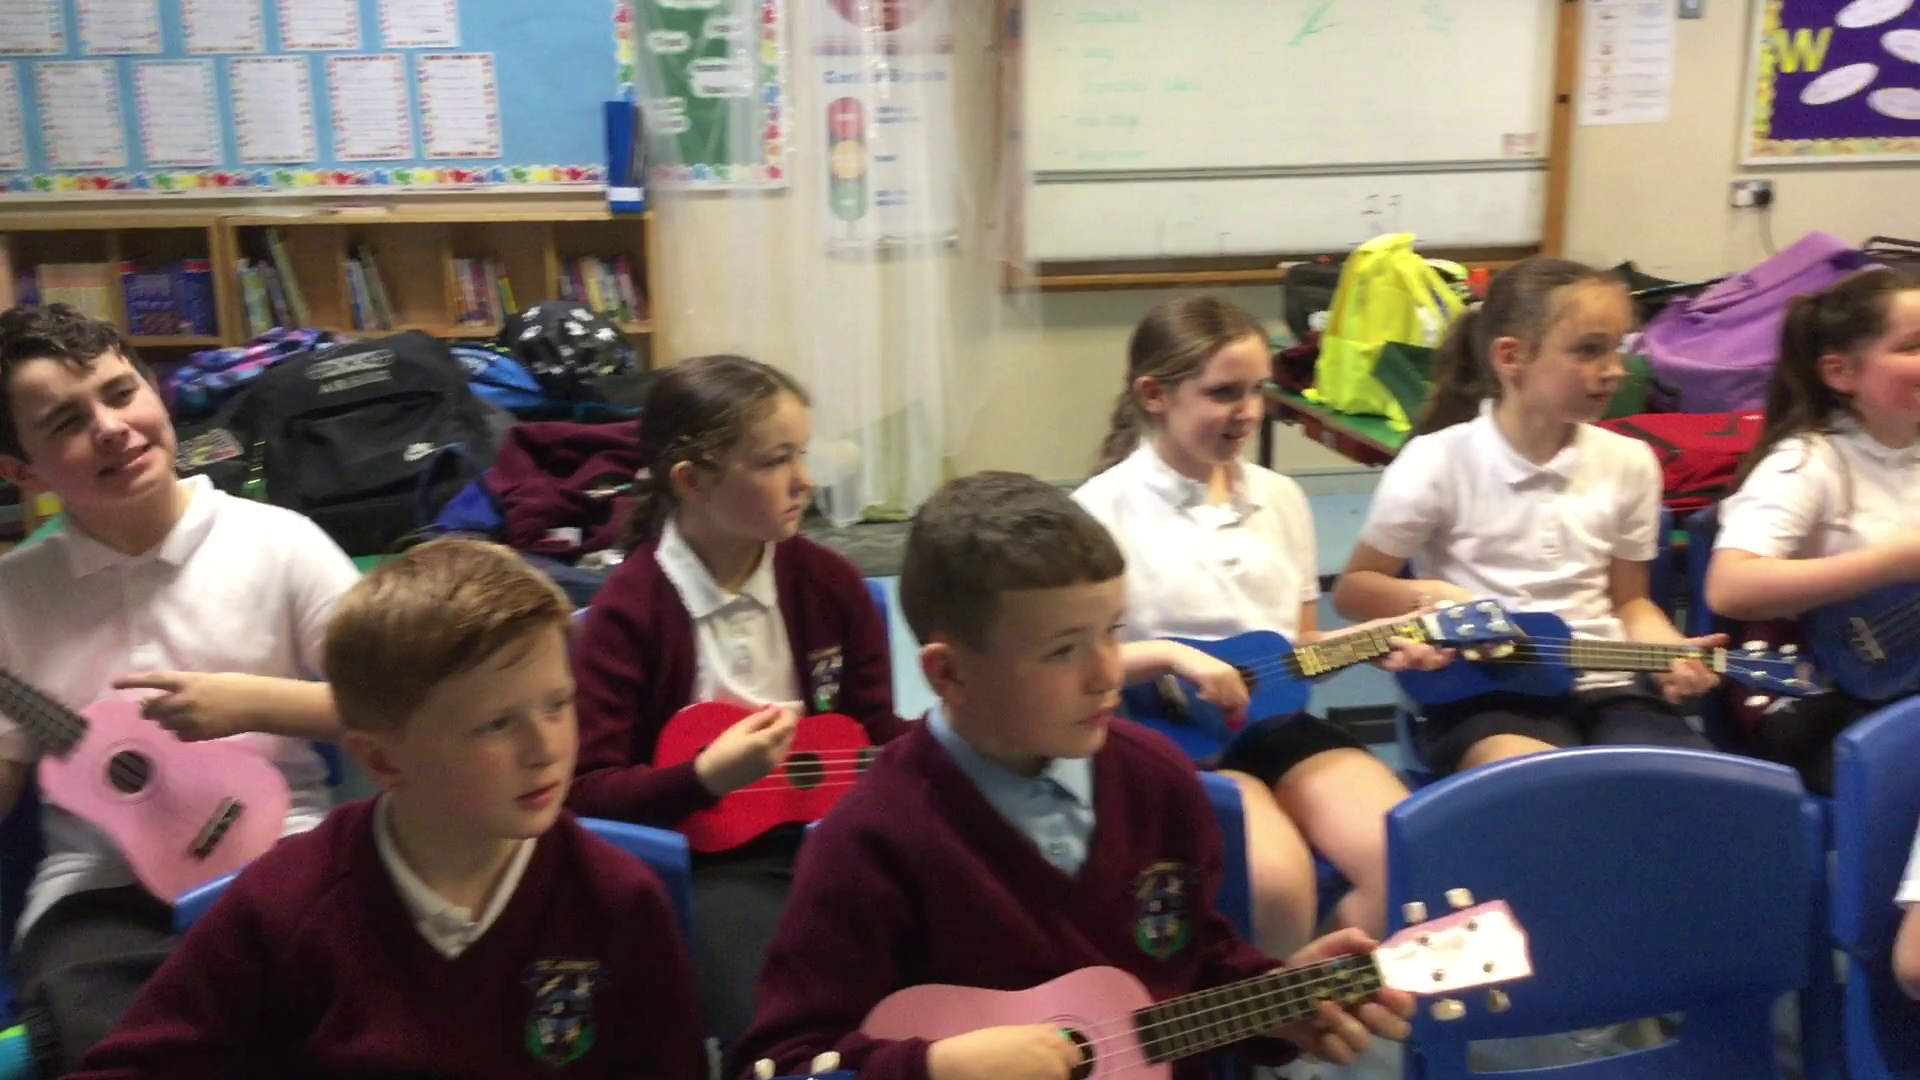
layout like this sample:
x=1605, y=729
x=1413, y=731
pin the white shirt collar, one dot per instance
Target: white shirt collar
x=1872, y=449
x=1514, y=468
x=86, y=555
x=448, y=927
x=698, y=591
x=1182, y=491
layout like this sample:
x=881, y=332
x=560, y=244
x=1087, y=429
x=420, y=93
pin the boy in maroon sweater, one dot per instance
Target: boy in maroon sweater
x=1022, y=832
x=461, y=925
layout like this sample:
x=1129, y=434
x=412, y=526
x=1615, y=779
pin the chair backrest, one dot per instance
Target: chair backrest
x=1660, y=574
x=1650, y=881
x=879, y=594
x=1716, y=706
x=663, y=850
x=1236, y=886
x=1876, y=811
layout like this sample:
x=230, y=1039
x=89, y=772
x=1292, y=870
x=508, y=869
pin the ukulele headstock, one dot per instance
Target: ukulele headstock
x=1478, y=945
x=1781, y=673
x=1480, y=629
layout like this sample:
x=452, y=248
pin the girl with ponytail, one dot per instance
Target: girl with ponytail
x=1828, y=506
x=1508, y=492
x=721, y=599
x=1215, y=547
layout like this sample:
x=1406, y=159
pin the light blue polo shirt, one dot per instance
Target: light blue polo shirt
x=1054, y=809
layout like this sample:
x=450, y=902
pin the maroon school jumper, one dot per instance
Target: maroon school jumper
x=310, y=966
x=634, y=662
x=915, y=878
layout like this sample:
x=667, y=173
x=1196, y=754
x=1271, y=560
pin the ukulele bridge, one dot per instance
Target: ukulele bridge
x=1865, y=645
x=217, y=828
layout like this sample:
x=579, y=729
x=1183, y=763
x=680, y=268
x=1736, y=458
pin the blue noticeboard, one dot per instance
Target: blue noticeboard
x=553, y=66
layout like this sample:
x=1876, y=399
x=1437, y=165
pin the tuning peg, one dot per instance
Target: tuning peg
x=1460, y=898
x=1448, y=1009
x=1500, y=626
x=763, y=1069
x=1488, y=607
x=1789, y=650
x=1467, y=628
x=1415, y=912
x=1756, y=701
x=825, y=1063
x=1498, y=1001
x=1754, y=646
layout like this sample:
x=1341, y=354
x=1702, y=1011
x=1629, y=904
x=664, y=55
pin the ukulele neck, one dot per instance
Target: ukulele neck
x=51, y=724
x=1203, y=1022
x=1585, y=654
x=1344, y=650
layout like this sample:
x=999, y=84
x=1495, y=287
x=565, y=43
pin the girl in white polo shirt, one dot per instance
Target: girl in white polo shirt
x=1217, y=547
x=1829, y=501
x=1508, y=492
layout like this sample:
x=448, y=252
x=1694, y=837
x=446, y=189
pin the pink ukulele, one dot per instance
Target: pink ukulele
x=1120, y=1031
x=182, y=813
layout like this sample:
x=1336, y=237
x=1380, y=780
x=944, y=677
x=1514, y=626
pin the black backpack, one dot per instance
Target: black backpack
x=367, y=436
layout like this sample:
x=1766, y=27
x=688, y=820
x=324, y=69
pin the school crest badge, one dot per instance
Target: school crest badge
x=563, y=1023
x=1162, y=922
x=823, y=677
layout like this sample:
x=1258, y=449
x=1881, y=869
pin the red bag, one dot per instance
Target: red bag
x=1698, y=452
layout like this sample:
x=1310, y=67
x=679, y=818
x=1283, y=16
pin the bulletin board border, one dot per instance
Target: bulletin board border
x=1758, y=147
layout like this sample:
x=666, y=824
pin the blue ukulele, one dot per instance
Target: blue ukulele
x=1280, y=677
x=1867, y=645
x=1544, y=658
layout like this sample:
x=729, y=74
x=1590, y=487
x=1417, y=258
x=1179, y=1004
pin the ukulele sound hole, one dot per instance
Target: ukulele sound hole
x=1085, y=1046
x=805, y=771
x=1247, y=676
x=128, y=772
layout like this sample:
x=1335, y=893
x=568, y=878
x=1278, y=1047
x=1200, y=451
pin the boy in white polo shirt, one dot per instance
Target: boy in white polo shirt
x=1509, y=492
x=153, y=584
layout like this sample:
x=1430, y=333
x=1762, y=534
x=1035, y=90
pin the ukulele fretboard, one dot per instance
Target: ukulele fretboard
x=1206, y=1021
x=1350, y=648
x=1585, y=654
x=52, y=725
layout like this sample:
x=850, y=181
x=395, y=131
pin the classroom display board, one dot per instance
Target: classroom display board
x=1833, y=81
x=713, y=87
x=245, y=97
x=1171, y=128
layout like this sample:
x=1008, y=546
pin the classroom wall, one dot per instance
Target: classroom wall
x=1043, y=370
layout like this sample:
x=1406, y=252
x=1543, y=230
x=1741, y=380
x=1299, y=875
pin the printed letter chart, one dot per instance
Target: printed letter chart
x=13, y=137
x=80, y=115
x=272, y=109
x=370, y=117
x=223, y=26
x=179, y=124
x=420, y=24
x=32, y=28
x=113, y=27
x=459, y=105
x=319, y=24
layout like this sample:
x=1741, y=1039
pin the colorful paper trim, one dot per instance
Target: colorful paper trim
x=209, y=180
x=1760, y=141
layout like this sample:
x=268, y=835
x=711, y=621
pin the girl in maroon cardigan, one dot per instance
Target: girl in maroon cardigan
x=722, y=600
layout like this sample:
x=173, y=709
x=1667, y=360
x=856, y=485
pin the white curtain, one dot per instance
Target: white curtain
x=870, y=266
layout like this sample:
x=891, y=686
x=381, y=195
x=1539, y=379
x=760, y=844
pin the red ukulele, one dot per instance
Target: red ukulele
x=829, y=753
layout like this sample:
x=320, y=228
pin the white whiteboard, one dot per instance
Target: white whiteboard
x=1210, y=127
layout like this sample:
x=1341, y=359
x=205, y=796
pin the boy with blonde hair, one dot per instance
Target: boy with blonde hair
x=461, y=924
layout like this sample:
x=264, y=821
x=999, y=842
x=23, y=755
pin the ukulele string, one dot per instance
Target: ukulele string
x=1292, y=993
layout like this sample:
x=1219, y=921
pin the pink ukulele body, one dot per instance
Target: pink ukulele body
x=182, y=813
x=829, y=751
x=1093, y=1000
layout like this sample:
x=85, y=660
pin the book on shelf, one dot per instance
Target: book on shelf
x=486, y=295
x=604, y=285
x=89, y=288
x=289, y=283
x=171, y=300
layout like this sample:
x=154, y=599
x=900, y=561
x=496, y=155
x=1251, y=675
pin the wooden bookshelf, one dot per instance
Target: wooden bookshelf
x=155, y=238
x=417, y=251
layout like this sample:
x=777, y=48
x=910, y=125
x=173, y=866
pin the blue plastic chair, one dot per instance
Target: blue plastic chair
x=1236, y=886
x=1876, y=809
x=664, y=851
x=1716, y=710
x=1650, y=881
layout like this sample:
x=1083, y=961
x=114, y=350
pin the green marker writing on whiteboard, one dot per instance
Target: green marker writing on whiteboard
x=847, y=159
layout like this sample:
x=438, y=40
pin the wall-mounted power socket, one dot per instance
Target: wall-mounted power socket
x=1757, y=194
